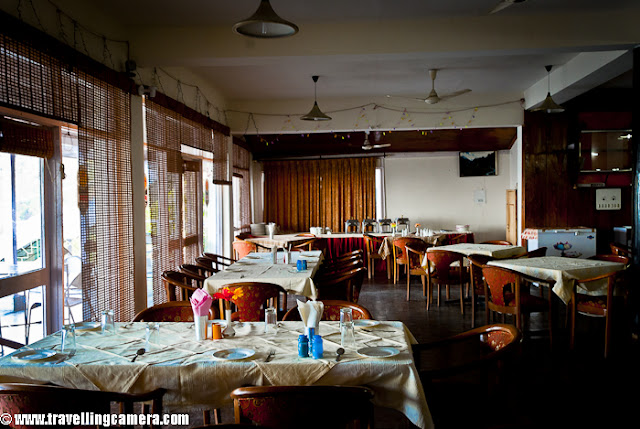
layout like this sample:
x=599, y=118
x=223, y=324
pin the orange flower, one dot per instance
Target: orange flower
x=228, y=295
x=418, y=225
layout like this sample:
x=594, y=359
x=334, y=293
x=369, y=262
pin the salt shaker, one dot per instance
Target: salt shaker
x=317, y=348
x=303, y=346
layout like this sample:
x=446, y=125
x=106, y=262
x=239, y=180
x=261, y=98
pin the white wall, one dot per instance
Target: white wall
x=427, y=189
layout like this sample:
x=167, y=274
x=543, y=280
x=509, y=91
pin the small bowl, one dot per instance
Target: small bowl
x=462, y=228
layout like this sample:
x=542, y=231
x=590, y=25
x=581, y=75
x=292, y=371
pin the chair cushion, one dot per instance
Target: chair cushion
x=590, y=304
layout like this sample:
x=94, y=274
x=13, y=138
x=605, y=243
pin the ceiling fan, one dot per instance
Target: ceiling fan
x=505, y=4
x=366, y=145
x=433, y=96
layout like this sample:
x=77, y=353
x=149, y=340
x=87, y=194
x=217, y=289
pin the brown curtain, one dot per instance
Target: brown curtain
x=241, y=169
x=326, y=192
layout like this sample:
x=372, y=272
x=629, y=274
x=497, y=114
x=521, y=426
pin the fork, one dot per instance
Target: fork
x=65, y=357
x=270, y=356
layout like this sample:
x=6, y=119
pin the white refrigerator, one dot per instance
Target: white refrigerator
x=579, y=242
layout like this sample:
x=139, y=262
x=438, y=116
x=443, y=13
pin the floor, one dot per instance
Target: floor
x=547, y=387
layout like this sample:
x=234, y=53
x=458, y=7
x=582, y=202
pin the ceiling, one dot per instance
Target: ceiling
x=367, y=49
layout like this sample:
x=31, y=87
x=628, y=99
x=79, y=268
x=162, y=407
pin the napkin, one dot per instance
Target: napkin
x=201, y=303
x=310, y=312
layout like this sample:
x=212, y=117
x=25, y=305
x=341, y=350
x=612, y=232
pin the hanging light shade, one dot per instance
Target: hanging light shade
x=315, y=114
x=265, y=24
x=548, y=105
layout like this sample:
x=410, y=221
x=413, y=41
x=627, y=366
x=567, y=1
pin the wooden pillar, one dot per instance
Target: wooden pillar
x=636, y=142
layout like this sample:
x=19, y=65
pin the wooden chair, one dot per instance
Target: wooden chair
x=598, y=305
x=306, y=245
x=372, y=245
x=477, y=262
x=399, y=254
x=342, y=287
x=220, y=262
x=18, y=398
x=477, y=364
x=207, y=264
x=537, y=253
x=178, y=285
x=196, y=270
x=444, y=273
x=294, y=407
x=500, y=242
x=242, y=248
x=332, y=311
x=173, y=311
x=255, y=298
x=415, y=256
x=244, y=236
x=621, y=249
x=504, y=294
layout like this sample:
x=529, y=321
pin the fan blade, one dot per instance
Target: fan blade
x=502, y=5
x=406, y=98
x=367, y=147
x=454, y=94
x=378, y=146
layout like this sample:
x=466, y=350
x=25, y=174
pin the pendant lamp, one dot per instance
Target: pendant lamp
x=548, y=105
x=265, y=24
x=315, y=114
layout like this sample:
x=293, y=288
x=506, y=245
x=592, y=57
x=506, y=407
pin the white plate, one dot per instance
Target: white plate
x=234, y=354
x=87, y=326
x=365, y=323
x=378, y=352
x=34, y=355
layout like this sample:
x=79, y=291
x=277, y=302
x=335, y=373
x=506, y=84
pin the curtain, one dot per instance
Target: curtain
x=241, y=170
x=326, y=192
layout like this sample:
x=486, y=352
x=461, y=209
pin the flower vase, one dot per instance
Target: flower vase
x=228, y=331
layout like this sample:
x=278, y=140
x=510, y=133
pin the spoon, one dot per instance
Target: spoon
x=140, y=352
x=339, y=353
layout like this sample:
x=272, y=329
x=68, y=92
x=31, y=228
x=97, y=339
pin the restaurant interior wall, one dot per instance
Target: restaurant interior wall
x=429, y=190
x=552, y=198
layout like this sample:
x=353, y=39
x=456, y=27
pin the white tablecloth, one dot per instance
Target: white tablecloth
x=565, y=271
x=259, y=267
x=497, y=251
x=195, y=379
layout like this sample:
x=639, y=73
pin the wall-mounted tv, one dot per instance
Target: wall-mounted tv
x=605, y=151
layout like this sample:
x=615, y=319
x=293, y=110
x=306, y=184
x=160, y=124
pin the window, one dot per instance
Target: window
x=380, y=193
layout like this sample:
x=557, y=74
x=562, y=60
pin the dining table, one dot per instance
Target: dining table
x=435, y=239
x=202, y=374
x=259, y=267
x=564, y=271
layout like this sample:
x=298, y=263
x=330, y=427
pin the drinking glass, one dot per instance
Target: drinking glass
x=68, y=344
x=151, y=336
x=347, y=330
x=107, y=322
x=270, y=321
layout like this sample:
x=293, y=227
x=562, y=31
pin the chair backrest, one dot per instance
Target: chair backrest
x=220, y=261
x=399, y=244
x=173, y=311
x=257, y=296
x=18, y=398
x=343, y=286
x=242, y=248
x=372, y=244
x=207, y=264
x=338, y=268
x=244, y=235
x=306, y=245
x=332, y=311
x=477, y=263
x=467, y=351
x=496, y=279
x=415, y=254
x=537, y=253
x=500, y=242
x=442, y=260
x=611, y=258
x=294, y=407
x=621, y=249
x=182, y=283
x=196, y=270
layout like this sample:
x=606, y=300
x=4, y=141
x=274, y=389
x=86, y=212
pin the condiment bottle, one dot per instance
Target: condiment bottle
x=317, y=348
x=303, y=346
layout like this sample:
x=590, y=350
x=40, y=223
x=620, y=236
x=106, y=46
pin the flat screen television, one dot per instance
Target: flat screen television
x=605, y=151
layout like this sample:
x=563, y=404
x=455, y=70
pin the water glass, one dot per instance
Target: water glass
x=346, y=316
x=347, y=330
x=151, y=336
x=107, y=322
x=270, y=321
x=68, y=344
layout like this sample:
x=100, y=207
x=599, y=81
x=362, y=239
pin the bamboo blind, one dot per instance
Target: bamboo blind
x=241, y=169
x=25, y=139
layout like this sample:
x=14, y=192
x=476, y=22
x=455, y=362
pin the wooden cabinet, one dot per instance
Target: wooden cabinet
x=512, y=216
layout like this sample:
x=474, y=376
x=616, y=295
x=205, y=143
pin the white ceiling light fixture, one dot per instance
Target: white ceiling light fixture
x=315, y=114
x=265, y=24
x=548, y=105
x=505, y=4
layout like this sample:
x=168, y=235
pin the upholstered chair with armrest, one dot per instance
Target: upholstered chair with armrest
x=399, y=253
x=505, y=293
x=446, y=268
x=372, y=245
x=332, y=311
x=313, y=407
x=257, y=296
x=18, y=398
x=415, y=255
